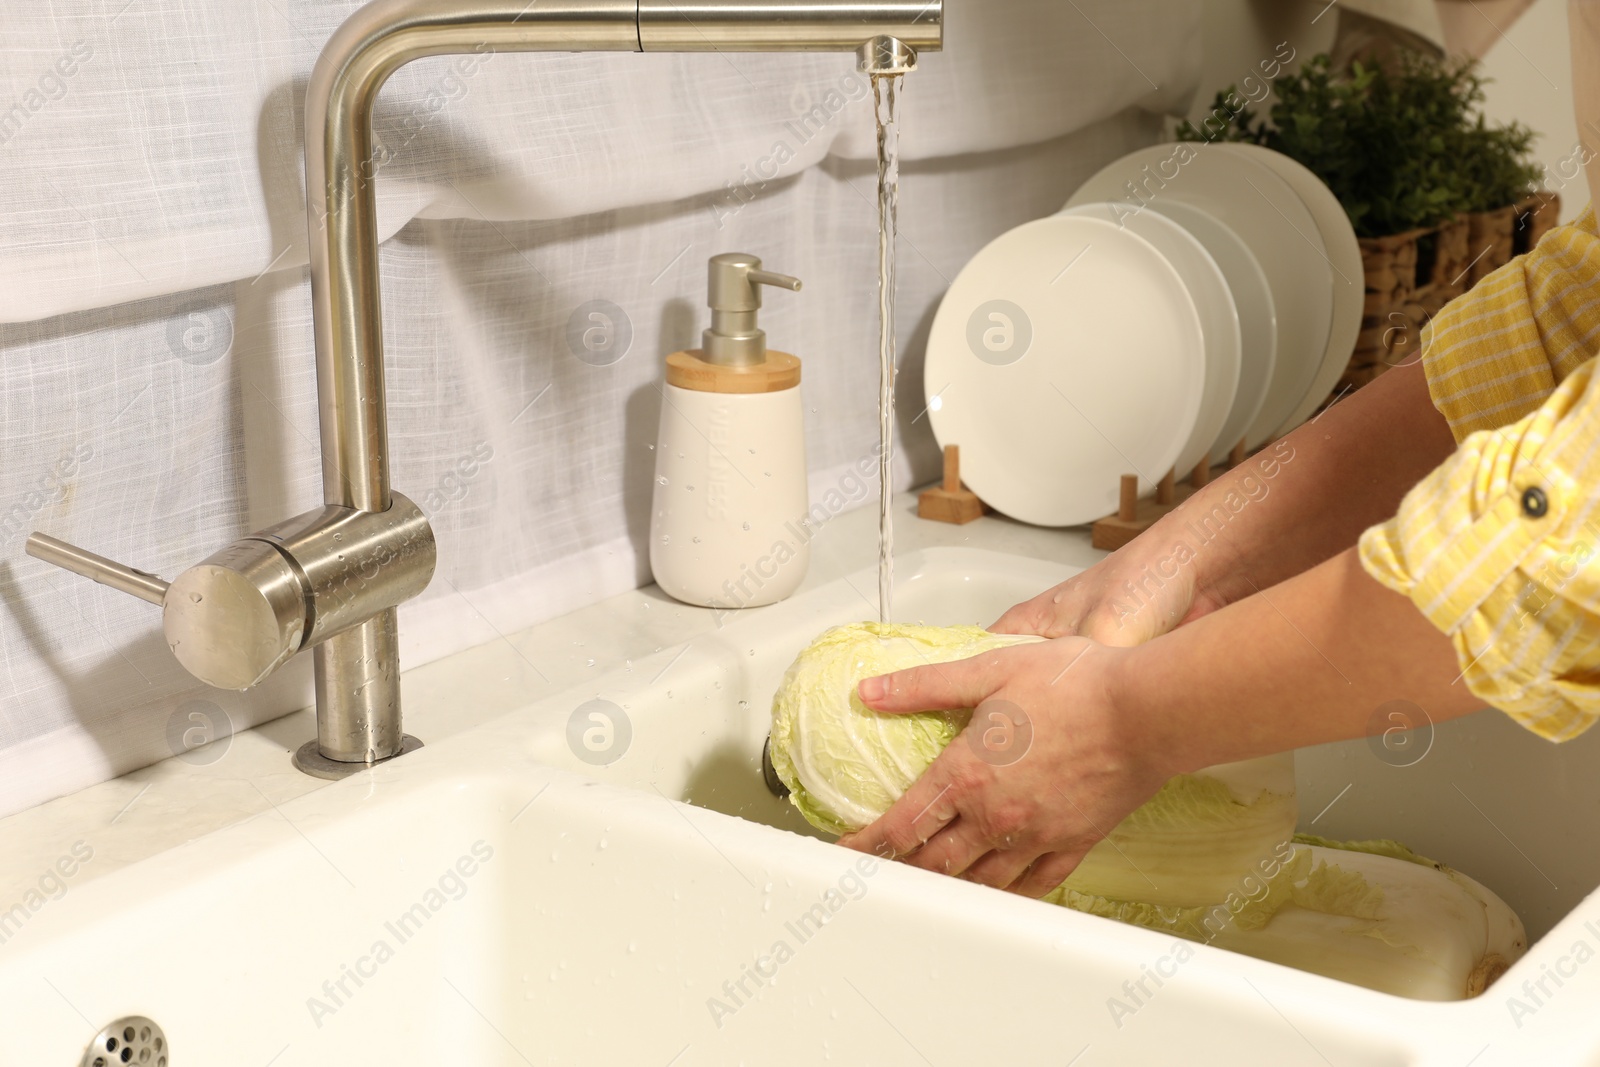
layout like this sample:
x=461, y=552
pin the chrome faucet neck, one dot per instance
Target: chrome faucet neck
x=358, y=706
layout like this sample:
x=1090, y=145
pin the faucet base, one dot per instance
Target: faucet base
x=308, y=759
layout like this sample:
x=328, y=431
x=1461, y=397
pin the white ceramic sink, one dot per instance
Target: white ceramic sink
x=564, y=912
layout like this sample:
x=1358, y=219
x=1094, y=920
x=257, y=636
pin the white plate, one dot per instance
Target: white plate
x=1066, y=354
x=1249, y=198
x=1219, y=320
x=1258, y=318
x=1344, y=257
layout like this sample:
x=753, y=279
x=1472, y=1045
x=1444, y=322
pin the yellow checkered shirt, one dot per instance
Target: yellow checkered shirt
x=1497, y=546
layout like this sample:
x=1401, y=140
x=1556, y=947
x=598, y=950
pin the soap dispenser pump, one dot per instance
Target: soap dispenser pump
x=729, y=526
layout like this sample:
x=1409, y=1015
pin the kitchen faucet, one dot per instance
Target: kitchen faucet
x=331, y=579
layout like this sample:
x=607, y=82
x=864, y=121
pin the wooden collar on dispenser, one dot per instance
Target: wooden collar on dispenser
x=691, y=370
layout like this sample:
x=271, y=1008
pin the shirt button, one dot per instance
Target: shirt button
x=1535, y=504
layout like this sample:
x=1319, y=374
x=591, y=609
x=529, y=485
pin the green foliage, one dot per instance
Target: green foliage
x=1495, y=164
x=1401, y=151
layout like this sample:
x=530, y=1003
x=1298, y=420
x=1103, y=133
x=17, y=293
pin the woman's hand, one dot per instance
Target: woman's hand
x=1137, y=593
x=1044, y=770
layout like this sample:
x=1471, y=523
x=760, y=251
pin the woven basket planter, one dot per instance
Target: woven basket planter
x=1410, y=276
x=1491, y=240
x=1536, y=216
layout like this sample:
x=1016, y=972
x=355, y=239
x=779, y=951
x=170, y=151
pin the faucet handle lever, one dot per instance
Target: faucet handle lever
x=777, y=281
x=231, y=620
x=107, y=572
x=248, y=608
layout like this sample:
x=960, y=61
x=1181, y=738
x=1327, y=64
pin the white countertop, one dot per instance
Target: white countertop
x=161, y=806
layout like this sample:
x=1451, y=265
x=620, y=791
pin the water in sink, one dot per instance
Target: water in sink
x=698, y=723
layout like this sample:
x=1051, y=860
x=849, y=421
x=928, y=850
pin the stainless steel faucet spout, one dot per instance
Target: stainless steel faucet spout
x=358, y=704
x=787, y=25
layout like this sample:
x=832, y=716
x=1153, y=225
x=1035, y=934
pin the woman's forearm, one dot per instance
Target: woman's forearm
x=1306, y=662
x=1307, y=497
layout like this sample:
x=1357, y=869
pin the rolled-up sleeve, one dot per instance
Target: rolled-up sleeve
x=1497, y=353
x=1497, y=547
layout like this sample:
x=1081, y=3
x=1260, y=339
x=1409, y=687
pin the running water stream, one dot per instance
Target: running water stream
x=886, y=99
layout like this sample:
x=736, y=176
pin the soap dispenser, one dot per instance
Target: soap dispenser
x=729, y=526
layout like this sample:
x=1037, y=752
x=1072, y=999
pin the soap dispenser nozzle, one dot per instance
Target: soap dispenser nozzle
x=735, y=339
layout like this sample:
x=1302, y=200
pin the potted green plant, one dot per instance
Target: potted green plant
x=1438, y=196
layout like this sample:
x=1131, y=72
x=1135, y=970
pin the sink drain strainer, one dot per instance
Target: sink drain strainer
x=133, y=1040
x=769, y=773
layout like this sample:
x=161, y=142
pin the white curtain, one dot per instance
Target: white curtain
x=157, y=389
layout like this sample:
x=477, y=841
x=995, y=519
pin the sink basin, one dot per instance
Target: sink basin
x=536, y=891
x=699, y=717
